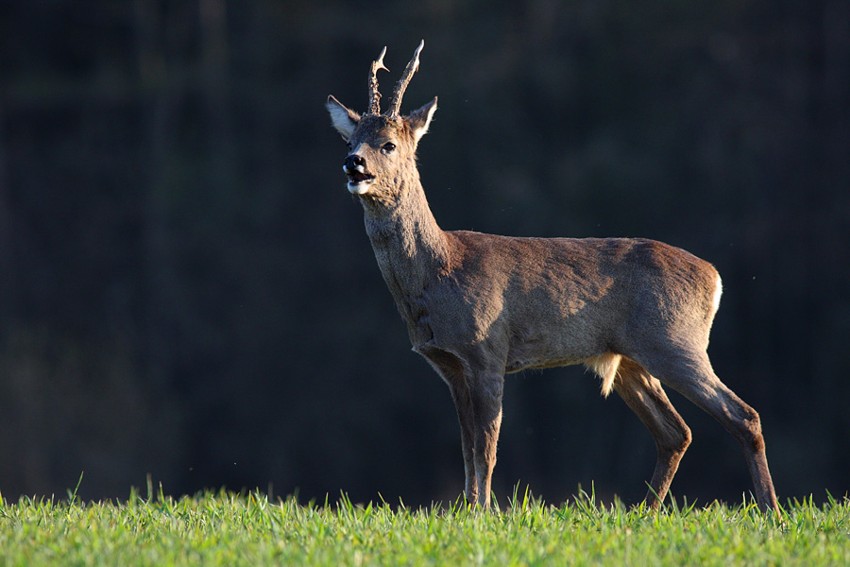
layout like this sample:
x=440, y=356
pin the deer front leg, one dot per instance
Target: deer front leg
x=451, y=370
x=465, y=415
x=486, y=396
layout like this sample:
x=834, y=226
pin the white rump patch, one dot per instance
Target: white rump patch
x=718, y=291
x=605, y=366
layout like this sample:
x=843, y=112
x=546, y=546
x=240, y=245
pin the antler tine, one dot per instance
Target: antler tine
x=401, y=86
x=374, y=94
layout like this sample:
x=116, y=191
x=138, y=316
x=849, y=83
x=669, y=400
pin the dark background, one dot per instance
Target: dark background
x=187, y=291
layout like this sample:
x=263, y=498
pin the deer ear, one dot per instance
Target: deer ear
x=343, y=118
x=420, y=119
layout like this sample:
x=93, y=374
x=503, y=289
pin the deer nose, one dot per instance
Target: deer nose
x=354, y=162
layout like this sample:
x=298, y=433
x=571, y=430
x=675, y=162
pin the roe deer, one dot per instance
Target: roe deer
x=477, y=306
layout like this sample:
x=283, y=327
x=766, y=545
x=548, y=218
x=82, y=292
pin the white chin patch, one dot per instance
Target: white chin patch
x=359, y=188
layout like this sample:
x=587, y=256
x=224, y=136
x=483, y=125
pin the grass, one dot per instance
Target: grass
x=249, y=529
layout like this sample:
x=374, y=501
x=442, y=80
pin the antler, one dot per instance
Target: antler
x=374, y=94
x=401, y=86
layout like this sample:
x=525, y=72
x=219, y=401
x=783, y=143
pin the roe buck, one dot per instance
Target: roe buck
x=477, y=306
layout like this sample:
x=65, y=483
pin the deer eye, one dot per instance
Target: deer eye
x=388, y=148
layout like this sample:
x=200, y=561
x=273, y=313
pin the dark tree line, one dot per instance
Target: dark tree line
x=186, y=289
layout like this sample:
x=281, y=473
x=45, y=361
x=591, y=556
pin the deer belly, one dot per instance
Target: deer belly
x=518, y=365
x=541, y=348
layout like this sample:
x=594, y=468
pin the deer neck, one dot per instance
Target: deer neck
x=411, y=249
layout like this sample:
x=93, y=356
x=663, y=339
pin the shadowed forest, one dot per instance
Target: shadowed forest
x=187, y=291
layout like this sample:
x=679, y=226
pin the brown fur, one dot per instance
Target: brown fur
x=478, y=306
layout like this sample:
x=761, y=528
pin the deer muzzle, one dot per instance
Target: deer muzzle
x=359, y=179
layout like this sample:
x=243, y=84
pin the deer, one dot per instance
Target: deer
x=636, y=312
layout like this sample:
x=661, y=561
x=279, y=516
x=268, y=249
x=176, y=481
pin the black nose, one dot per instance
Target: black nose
x=353, y=161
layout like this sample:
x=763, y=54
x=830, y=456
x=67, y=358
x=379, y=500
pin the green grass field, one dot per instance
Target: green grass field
x=231, y=529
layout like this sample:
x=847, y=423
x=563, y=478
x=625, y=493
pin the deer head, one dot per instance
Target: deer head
x=382, y=147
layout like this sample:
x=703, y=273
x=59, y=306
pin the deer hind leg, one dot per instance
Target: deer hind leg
x=645, y=396
x=690, y=374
